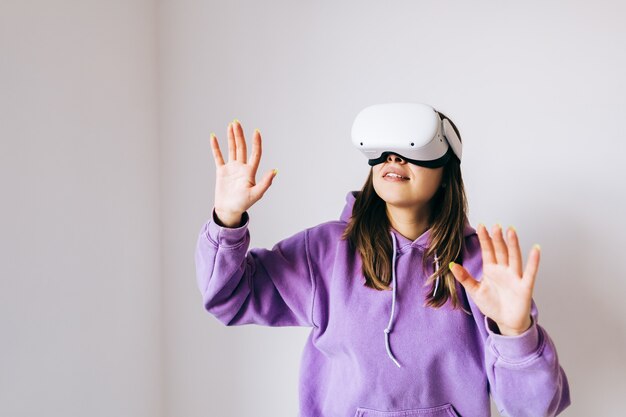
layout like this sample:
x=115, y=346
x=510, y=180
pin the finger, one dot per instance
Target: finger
x=217, y=154
x=232, y=146
x=515, y=253
x=257, y=150
x=532, y=265
x=486, y=245
x=502, y=253
x=242, y=152
x=465, y=278
x=261, y=187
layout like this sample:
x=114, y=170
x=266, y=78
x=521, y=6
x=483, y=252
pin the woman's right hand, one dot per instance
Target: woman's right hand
x=235, y=187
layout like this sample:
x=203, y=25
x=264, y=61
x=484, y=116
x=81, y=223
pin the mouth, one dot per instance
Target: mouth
x=392, y=176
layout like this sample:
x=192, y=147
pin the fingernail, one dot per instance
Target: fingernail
x=499, y=226
x=257, y=130
x=235, y=121
x=212, y=135
x=275, y=172
x=513, y=228
x=451, y=264
x=537, y=246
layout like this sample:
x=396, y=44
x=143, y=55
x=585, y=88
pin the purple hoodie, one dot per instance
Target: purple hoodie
x=378, y=353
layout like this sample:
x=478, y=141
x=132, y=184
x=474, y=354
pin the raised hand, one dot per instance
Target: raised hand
x=504, y=293
x=235, y=187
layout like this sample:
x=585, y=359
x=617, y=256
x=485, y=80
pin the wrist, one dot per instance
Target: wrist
x=227, y=218
x=509, y=331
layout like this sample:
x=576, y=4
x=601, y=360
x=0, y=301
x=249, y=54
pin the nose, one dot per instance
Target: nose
x=395, y=158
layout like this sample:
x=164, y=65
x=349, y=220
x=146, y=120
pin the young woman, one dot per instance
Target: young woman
x=380, y=344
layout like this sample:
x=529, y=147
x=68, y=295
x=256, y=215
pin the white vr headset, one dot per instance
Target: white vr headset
x=414, y=131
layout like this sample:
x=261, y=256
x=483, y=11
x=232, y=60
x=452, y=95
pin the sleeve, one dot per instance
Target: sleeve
x=260, y=286
x=524, y=374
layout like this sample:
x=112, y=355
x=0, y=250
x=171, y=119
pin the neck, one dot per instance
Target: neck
x=409, y=222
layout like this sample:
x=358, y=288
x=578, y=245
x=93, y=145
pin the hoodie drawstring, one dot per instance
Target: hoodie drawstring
x=393, y=301
x=436, y=271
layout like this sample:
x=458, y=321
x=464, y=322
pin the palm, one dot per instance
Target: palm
x=503, y=296
x=234, y=183
x=504, y=292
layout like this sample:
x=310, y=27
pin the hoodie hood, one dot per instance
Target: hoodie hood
x=399, y=242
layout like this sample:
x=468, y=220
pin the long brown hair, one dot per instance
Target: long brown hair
x=368, y=232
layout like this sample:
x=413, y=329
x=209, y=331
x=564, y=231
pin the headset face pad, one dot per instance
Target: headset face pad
x=427, y=164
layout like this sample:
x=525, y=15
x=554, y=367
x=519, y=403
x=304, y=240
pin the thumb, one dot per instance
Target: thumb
x=464, y=277
x=261, y=187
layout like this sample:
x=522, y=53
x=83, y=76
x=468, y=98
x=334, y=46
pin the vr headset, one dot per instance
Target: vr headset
x=414, y=131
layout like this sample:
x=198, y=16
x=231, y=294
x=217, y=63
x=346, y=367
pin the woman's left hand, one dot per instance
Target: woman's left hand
x=503, y=294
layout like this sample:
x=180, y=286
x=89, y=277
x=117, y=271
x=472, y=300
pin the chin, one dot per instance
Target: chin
x=397, y=199
x=404, y=203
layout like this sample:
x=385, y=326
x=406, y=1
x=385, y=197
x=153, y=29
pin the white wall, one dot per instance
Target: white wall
x=80, y=275
x=537, y=90
x=98, y=213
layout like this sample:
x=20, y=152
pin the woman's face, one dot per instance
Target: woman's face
x=414, y=189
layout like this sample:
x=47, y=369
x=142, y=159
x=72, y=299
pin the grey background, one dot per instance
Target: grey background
x=107, y=177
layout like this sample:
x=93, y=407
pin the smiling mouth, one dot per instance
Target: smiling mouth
x=394, y=176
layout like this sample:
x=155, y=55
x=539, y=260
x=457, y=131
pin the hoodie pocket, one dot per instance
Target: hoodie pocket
x=445, y=410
